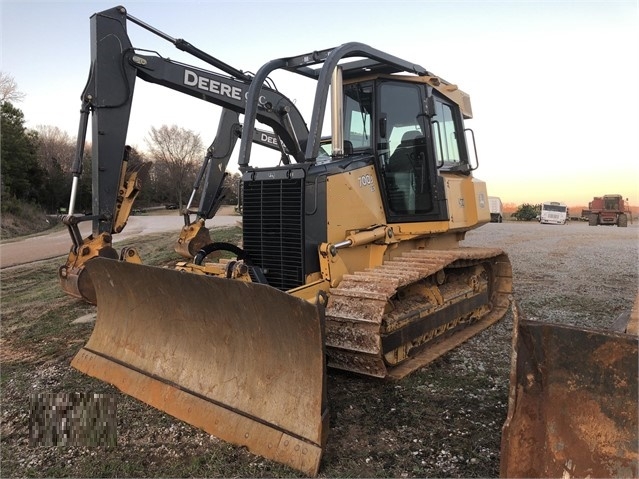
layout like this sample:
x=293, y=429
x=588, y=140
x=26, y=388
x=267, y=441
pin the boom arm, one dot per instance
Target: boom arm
x=229, y=130
x=109, y=93
x=194, y=235
x=108, y=96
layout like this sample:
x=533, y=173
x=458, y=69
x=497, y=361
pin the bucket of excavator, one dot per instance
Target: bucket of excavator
x=572, y=403
x=242, y=361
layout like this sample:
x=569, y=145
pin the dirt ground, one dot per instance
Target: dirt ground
x=442, y=421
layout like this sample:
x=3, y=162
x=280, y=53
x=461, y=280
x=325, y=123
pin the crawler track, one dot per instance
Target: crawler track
x=390, y=320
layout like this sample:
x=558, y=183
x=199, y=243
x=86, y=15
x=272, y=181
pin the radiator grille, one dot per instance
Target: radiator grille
x=273, y=229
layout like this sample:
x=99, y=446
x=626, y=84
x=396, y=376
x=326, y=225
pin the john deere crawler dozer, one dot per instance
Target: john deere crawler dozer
x=350, y=254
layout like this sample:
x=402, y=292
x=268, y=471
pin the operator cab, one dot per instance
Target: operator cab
x=413, y=131
x=385, y=111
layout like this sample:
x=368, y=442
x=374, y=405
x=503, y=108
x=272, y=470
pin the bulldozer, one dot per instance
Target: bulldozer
x=350, y=254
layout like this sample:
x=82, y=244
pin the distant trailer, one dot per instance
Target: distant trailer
x=554, y=213
x=496, y=209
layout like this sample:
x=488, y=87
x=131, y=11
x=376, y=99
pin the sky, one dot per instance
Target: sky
x=554, y=84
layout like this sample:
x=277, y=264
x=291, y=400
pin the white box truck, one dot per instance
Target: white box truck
x=496, y=211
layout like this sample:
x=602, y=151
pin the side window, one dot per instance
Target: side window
x=445, y=134
x=357, y=115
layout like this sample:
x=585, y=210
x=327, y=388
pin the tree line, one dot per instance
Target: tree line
x=36, y=164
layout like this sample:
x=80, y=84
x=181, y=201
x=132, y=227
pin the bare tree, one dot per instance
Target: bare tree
x=178, y=152
x=9, y=89
x=55, y=146
x=232, y=188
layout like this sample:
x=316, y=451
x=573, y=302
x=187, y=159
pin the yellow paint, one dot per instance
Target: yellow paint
x=467, y=201
x=355, y=211
x=354, y=203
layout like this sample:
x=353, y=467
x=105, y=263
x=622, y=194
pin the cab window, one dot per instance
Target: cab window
x=357, y=115
x=445, y=134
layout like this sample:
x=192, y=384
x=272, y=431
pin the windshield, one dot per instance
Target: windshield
x=551, y=207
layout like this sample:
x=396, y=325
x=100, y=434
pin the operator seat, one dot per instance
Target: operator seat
x=400, y=160
x=411, y=135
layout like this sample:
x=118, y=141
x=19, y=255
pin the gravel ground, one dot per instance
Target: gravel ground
x=572, y=274
x=443, y=421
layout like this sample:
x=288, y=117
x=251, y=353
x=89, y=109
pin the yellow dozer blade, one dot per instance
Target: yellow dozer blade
x=242, y=361
x=572, y=403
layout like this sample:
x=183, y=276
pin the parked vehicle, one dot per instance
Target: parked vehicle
x=607, y=210
x=553, y=213
x=496, y=209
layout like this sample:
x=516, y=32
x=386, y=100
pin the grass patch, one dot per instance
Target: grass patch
x=158, y=249
x=20, y=218
x=423, y=426
x=37, y=314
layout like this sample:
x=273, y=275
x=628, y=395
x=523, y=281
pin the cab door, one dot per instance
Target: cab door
x=412, y=189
